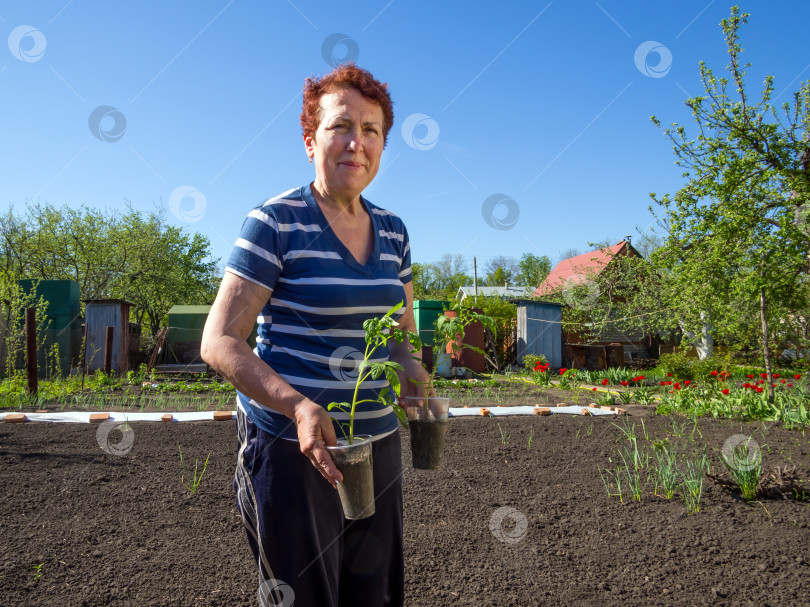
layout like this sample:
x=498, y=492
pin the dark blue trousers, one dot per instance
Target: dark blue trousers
x=308, y=554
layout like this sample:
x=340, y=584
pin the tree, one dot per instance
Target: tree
x=135, y=256
x=737, y=233
x=569, y=253
x=533, y=270
x=442, y=279
x=165, y=267
x=500, y=270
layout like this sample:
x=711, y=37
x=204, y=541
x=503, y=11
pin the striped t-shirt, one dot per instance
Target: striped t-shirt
x=311, y=329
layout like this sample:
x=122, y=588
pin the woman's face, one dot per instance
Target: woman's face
x=347, y=146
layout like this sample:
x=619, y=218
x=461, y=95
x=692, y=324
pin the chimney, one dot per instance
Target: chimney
x=628, y=238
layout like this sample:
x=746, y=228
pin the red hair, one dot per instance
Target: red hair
x=346, y=75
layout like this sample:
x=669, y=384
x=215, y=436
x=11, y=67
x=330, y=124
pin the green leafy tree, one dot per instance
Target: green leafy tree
x=441, y=279
x=134, y=256
x=532, y=270
x=500, y=270
x=737, y=233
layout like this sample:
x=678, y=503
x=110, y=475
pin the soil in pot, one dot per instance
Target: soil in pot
x=427, y=423
x=357, y=488
x=427, y=443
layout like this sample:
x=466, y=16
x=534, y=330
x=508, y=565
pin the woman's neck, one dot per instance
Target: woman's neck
x=336, y=201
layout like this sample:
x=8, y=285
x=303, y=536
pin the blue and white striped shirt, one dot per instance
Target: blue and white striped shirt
x=311, y=329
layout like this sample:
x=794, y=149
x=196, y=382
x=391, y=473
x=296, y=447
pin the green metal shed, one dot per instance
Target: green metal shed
x=426, y=311
x=186, y=325
x=183, y=339
x=64, y=316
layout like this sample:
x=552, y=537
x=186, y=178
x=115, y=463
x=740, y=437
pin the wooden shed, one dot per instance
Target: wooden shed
x=100, y=314
x=539, y=330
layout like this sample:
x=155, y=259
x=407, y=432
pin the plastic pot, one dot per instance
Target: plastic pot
x=427, y=424
x=357, y=488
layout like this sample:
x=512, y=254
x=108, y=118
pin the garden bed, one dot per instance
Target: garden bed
x=83, y=527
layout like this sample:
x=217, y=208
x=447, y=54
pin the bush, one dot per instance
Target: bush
x=678, y=364
x=530, y=361
x=701, y=369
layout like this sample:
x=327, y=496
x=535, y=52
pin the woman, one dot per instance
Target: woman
x=312, y=264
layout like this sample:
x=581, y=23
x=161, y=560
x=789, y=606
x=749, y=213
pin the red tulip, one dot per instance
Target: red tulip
x=726, y=391
x=713, y=373
x=605, y=382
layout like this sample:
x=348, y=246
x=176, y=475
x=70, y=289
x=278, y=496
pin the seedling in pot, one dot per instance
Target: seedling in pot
x=378, y=332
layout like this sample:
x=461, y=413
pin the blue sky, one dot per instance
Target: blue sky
x=526, y=123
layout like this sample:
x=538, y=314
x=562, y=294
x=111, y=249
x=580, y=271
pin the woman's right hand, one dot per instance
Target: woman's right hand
x=315, y=431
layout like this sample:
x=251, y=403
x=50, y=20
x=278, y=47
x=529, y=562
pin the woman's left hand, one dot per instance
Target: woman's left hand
x=413, y=379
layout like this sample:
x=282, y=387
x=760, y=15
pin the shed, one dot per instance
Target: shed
x=184, y=337
x=425, y=312
x=64, y=320
x=186, y=325
x=539, y=330
x=100, y=314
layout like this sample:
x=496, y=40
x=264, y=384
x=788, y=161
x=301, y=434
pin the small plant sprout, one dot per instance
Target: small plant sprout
x=531, y=435
x=743, y=459
x=613, y=482
x=633, y=474
x=692, y=485
x=665, y=473
x=38, y=571
x=378, y=332
x=194, y=482
x=504, y=437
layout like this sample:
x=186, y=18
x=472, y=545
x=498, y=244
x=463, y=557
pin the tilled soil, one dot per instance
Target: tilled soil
x=517, y=515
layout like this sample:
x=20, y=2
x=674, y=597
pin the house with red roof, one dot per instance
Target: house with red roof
x=615, y=347
x=577, y=270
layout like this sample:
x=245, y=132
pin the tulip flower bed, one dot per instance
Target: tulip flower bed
x=517, y=515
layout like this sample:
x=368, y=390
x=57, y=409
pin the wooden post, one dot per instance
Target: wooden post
x=108, y=347
x=31, y=349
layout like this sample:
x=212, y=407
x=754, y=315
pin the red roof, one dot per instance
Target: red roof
x=579, y=268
